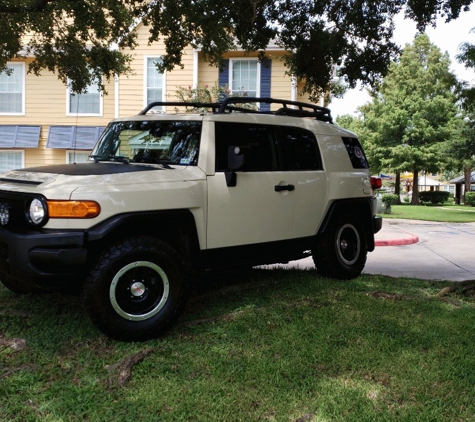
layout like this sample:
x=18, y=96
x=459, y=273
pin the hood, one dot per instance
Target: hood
x=103, y=173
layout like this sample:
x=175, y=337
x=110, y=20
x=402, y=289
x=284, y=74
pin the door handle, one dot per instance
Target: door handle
x=280, y=188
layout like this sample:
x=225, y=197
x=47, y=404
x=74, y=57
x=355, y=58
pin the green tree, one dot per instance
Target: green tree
x=467, y=57
x=460, y=150
x=74, y=38
x=412, y=112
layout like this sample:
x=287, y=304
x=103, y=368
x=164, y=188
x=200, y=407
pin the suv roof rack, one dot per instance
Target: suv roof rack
x=231, y=104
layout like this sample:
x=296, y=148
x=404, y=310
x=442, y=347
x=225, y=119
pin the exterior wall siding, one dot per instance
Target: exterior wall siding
x=131, y=87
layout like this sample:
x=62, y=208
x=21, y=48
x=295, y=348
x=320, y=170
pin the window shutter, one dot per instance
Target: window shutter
x=87, y=136
x=19, y=136
x=7, y=136
x=60, y=137
x=223, y=78
x=266, y=71
x=28, y=137
x=74, y=137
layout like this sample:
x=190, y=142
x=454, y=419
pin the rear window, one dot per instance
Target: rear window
x=301, y=150
x=355, y=152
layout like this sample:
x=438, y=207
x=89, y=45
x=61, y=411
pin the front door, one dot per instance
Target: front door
x=260, y=207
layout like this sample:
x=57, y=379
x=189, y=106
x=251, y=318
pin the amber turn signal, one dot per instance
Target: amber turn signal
x=73, y=209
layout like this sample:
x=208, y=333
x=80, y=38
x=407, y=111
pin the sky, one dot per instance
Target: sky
x=446, y=36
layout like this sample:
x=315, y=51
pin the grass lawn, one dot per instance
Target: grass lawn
x=281, y=345
x=448, y=212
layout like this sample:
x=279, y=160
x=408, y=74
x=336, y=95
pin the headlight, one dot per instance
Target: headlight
x=37, y=214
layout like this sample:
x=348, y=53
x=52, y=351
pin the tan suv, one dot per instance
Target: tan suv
x=166, y=196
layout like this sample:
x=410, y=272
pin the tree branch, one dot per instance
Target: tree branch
x=37, y=6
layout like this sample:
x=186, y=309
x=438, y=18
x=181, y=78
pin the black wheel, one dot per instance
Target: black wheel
x=137, y=289
x=341, y=251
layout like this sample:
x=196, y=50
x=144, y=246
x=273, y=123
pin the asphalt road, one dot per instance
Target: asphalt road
x=420, y=249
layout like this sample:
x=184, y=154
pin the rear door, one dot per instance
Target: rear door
x=302, y=158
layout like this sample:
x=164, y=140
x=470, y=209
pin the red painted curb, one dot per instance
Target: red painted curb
x=395, y=242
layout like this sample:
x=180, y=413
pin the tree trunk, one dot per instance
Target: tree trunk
x=415, y=188
x=467, y=173
x=397, y=187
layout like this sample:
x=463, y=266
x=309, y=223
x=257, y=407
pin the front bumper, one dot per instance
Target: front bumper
x=42, y=258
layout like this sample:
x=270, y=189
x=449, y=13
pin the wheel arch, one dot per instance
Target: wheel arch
x=361, y=208
x=175, y=227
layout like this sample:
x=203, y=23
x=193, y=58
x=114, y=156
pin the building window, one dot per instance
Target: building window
x=153, y=80
x=244, y=77
x=11, y=160
x=12, y=89
x=449, y=188
x=77, y=157
x=86, y=104
x=247, y=77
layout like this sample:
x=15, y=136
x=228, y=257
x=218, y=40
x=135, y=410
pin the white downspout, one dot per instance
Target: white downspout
x=293, y=89
x=195, y=68
x=116, y=97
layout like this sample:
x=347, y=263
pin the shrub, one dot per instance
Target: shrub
x=470, y=199
x=434, y=197
x=389, y=199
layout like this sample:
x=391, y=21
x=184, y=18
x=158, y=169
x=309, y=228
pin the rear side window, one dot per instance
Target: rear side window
x=258, y=141
x=301, y=150
x=355, y=152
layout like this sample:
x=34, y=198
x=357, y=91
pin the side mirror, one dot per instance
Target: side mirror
x=236, y=159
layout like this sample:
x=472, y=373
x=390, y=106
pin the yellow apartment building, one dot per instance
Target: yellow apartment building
x=43, y=122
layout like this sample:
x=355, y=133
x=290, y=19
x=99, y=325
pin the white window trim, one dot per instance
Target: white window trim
x=145, y=75
x=72, y=113
x=230, y=78
x=23, y=88
x=13, y=151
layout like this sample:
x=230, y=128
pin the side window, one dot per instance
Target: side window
x=258, y=142
x=301, y=150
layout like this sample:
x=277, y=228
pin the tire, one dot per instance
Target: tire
x=137, y=289
x=341, y=251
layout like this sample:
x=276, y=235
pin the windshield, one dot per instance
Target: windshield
x=161, y=142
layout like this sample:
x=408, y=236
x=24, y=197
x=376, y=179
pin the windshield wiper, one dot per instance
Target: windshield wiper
x=114, y=158
x=153, y=160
